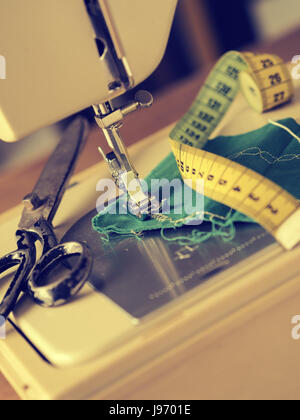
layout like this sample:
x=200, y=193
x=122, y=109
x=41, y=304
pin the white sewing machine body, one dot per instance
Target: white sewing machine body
x=54, y=65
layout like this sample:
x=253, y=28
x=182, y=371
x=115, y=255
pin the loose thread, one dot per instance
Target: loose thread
x=285, y=128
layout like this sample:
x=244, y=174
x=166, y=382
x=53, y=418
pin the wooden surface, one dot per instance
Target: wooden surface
x=168, y=107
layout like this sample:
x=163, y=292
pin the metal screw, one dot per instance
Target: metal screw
x=144, y=98
x=116, y=85
x=32, y=202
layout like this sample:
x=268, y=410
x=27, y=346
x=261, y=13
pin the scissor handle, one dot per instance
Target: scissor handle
x=60, y=290
x=24, y=257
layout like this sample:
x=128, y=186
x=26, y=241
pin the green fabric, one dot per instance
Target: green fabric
x=270, y=150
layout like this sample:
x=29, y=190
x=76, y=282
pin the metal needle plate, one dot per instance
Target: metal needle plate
x=142, y=275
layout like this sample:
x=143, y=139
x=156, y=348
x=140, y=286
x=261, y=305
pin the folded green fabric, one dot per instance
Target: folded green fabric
x=270, y=150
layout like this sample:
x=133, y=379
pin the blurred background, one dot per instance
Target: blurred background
x=202, y=31
x=205, y=29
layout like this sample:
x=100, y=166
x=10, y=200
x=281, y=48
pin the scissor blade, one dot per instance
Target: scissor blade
x=60, y=166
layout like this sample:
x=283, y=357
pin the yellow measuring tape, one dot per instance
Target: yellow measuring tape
x=266, y=83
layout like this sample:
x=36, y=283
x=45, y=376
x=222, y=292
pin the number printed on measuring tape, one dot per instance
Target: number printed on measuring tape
x=236, y=186
x=264, y=80
x=266, y=83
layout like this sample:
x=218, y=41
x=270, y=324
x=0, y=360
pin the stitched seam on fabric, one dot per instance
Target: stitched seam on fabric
x=261, y=153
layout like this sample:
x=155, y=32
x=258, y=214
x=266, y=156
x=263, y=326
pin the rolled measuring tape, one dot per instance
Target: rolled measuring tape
x=266, y=83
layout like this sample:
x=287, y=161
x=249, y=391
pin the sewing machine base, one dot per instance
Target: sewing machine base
x=142, y=274
x=218, y=330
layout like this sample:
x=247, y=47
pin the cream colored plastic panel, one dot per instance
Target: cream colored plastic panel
x=52, y=63
x=144, y=29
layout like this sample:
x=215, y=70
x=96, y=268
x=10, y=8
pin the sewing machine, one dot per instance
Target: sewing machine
x=109, y=345
x=79, y=68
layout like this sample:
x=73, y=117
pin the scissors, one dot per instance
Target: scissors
x=35, y=225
